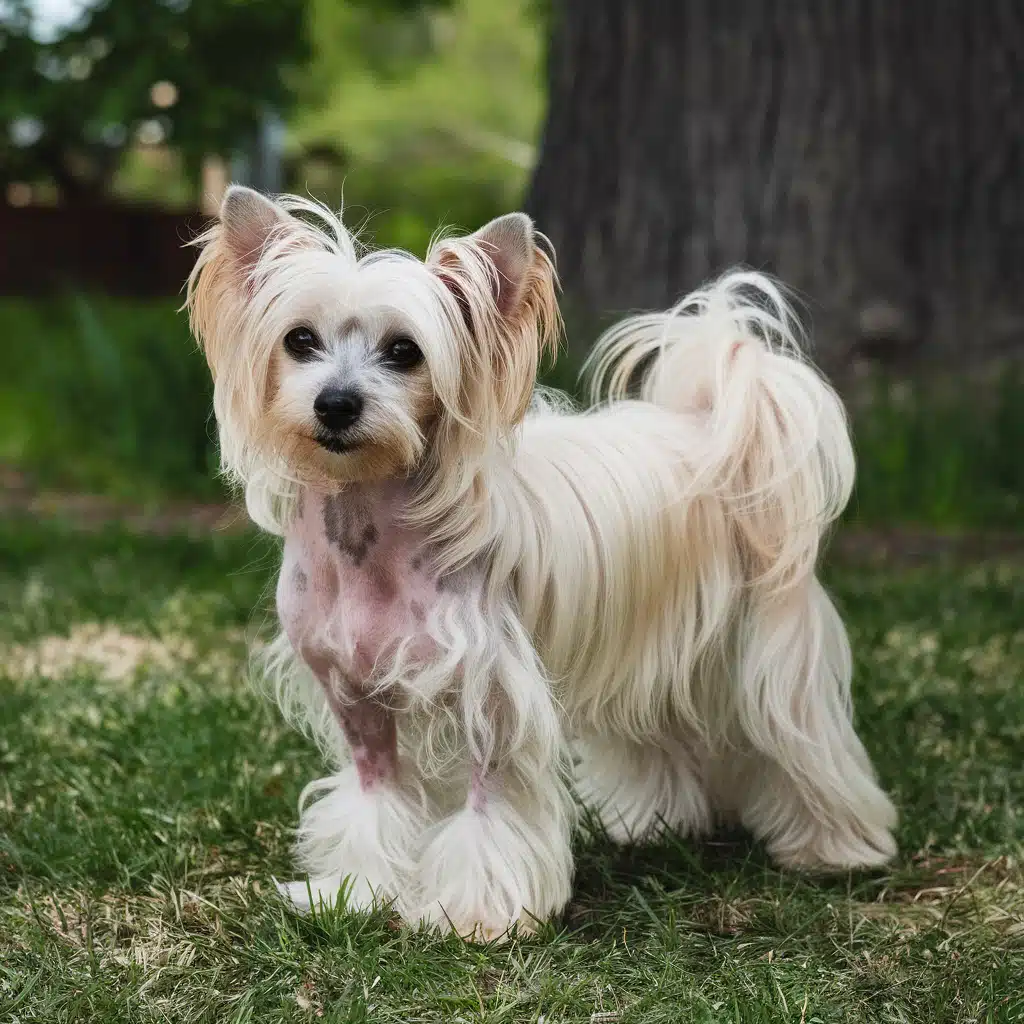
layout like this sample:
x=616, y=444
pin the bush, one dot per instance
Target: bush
x=105, y=395
x=940, y=449
x=403, y=206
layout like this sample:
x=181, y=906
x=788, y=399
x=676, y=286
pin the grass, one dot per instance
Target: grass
x=146, y=798
x=941, y=448
x=105, y=395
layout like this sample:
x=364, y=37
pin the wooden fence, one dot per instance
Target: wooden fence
x=117, y=250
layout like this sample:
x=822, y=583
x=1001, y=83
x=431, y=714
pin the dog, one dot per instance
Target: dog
x=494, y=606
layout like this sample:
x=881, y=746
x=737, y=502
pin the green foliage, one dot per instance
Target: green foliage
x=382, y=84
x=88, y=91
x=148, y=796
x=105, y=395
x=433, y=197
x=422, y=119
x=941, y=449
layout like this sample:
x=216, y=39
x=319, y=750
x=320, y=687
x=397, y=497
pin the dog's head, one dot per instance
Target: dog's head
x=335, y=365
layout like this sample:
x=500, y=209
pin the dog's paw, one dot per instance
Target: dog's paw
x=486, y=870
x=314, y=894
x=836, y=850
x=477, y=927
x=308, y=894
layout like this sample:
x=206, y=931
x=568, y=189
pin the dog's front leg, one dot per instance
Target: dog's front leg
x=504, y=858
x=359, y=829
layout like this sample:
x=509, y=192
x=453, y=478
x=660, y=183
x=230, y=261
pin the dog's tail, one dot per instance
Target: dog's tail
x=767, y=452
x=770, y=437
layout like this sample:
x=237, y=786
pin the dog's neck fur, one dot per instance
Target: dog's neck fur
x=453, y=497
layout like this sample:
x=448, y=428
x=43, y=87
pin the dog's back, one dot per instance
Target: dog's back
x=666, y=550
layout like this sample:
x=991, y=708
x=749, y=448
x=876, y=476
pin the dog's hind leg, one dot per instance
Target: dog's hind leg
x=808, y=789
x=637, y=790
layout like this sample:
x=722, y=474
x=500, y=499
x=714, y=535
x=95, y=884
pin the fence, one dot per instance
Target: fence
x=118, y=250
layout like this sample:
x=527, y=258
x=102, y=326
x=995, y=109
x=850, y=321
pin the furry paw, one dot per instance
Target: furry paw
x=314, y=894
x=357, y=846
x=488, y=869
x=845, y=829
x=637, y=791
x=306, y=894
x=835, y=850
x=482, y=925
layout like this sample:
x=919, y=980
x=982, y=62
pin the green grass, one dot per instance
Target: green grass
x=105, y=395
x=146, y=799
x=941, y=448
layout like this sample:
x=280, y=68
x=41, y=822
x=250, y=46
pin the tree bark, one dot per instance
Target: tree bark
x=868, y=152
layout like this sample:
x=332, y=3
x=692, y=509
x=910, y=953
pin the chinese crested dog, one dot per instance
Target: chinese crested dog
x=490, y=600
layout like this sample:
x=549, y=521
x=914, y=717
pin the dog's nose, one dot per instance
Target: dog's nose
x=338, y=408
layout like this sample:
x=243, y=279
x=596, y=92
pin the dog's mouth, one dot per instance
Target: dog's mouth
x=337, y=444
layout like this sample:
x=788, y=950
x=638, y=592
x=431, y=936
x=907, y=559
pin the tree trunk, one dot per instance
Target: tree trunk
x=868, y=152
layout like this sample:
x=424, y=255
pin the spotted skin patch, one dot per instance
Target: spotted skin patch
x=370, y=728
x=357, y=586
x=349, y=526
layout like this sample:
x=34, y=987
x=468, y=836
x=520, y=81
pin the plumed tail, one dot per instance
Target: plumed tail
x=773, y=441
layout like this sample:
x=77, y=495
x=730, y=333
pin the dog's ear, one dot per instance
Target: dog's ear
x=248, y=221
x=221, y=282
x=508, y=243
x=505, y=286
x=220, y=296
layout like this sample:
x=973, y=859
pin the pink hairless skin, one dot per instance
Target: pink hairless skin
x=363, y=605
x=355, y=584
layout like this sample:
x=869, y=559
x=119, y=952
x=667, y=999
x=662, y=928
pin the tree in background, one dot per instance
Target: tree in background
x=199, y=75
x=871, y=153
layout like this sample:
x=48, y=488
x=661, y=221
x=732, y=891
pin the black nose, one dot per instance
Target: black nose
x=338, y=408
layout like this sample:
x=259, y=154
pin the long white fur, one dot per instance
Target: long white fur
x=522, y=856
x=366, y=838
x=649, y=592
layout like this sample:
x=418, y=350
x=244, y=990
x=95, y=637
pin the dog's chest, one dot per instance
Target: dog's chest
x=356, y=584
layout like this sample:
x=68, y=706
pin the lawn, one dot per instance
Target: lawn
x=147, y=793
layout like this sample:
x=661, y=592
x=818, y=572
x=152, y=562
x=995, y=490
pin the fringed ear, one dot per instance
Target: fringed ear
x=506, y=288
x=223, y=315
x=221, y=282
x=248, y=221
x=508, y=241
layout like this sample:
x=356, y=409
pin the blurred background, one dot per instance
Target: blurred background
x=870, y=153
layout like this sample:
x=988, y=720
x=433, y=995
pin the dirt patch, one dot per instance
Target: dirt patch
x=904, y=546
x=19, y=498
x=114, y=654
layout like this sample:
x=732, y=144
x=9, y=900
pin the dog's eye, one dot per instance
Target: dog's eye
x=301, y=343
x=402, y=354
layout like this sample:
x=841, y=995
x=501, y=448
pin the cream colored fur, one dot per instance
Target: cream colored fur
x=646, y=591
